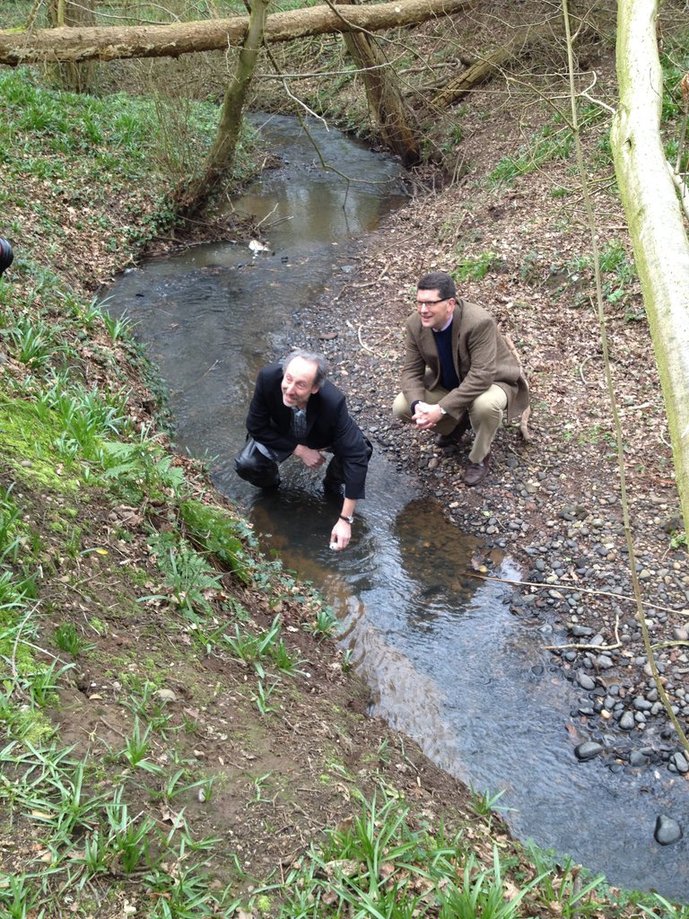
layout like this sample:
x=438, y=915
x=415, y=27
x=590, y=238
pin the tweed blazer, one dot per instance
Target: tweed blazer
x=481, y=357
x=328, y=424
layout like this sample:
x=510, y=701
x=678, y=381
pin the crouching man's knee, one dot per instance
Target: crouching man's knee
x=252, y=466
x=400, y=408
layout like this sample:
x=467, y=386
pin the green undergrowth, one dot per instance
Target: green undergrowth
x=69, y=145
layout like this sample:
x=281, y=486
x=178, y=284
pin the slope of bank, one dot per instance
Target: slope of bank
x=182, y=736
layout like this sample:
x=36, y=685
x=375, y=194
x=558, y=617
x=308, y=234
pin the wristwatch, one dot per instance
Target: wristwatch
x=442, y=410
x=350, y=520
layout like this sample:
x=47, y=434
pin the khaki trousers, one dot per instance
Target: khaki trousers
x=485, y=414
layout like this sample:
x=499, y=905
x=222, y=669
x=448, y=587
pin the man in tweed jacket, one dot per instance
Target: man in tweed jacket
x=458, y=364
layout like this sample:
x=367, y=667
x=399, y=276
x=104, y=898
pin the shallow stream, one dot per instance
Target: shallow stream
x=446, y=661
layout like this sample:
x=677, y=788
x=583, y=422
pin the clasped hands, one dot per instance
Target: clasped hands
x=426, y=415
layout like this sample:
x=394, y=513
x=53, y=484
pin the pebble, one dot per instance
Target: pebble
x=166, y=695
x=627, y=722
x=587, y=750
x=667, y=830
x=581, y=631
x=585, y=681
x=679, y=761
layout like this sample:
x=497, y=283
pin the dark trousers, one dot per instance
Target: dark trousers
x=252, y=466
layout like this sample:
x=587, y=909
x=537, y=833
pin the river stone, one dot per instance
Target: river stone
x=585, y=681
x=627, y=722
x=679, y=761
x=587, y=750
x=667, y=830
x=581, y=631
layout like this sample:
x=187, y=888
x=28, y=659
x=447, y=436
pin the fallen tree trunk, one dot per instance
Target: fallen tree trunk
x=172, y=40
x=485, y=68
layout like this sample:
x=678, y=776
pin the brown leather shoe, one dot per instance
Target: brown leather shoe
x=475, y=473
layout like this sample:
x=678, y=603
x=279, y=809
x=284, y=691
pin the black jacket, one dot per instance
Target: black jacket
x=328, y=424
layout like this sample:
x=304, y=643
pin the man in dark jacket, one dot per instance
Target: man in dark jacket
x=296, y=411
x=458, y=367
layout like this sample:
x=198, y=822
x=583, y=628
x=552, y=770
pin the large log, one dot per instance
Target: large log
x=110, y=43
x=485, y=68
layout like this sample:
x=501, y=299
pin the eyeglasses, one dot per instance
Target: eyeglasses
x=420, y=303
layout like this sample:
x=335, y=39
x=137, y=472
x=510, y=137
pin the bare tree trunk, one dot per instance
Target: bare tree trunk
x=78, y=78
x=221, y=157
x=385, y=101
x=655, y=219
x=115, y=43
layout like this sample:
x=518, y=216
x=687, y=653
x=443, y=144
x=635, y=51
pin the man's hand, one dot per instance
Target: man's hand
x=340, y=535
x=426, y=415
x=311, y=458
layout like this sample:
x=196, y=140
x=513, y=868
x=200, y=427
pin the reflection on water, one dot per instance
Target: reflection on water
x=446, y=660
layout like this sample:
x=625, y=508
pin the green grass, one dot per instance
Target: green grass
x=549, y=145
x=137, y=147
x=475, y=269
x=220, y=533
x=554, y=141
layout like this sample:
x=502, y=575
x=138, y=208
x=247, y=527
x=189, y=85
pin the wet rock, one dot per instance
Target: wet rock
x=581, y=631
x=666, y=830
x=585, y=681
x=627, y=721
x=679, y=761
x=587, y=750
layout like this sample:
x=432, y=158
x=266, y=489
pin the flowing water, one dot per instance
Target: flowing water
x=446, y=661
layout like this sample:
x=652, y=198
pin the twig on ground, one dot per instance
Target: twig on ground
x=361, y=342
x=581, y=369
x=617, y=643
x=578, y=588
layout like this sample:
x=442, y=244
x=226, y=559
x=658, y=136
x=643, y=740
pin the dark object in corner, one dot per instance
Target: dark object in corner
x=6, y=255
